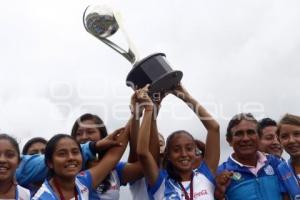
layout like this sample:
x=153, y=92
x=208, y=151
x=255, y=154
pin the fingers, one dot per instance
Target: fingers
x=143, y=93
x=224, y=177
x=116, y=133
x=115, y=143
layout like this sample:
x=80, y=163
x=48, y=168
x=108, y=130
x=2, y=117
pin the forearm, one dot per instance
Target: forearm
x=208, y=121
x=109, y=161
x=134, y=128
x=212, y=150
x=154, y=139
x=144, y=134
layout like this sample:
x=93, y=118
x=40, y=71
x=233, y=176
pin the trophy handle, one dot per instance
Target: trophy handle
x=128, y=55
x=132, y=52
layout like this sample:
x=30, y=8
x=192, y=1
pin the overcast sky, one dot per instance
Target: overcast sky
x=235, y=55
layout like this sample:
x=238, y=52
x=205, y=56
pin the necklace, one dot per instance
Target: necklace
x=61, y=196
x=187, y=197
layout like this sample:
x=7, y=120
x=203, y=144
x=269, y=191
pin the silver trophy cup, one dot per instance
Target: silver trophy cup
x=102, y=22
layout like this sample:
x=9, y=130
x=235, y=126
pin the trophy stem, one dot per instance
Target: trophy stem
x=131, y=47
x=130, y=56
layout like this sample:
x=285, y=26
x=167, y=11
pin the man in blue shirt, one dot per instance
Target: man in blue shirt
x=247, y=174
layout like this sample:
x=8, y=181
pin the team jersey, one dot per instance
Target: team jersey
x=113, y=192
x=22, y=193
x=290, y=179
x=264, y=184
x=168, y=189
x=138, y=189
x=83, y=184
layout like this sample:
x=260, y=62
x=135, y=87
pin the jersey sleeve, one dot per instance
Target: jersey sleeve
x=278, y=163
x=120, y=169
x=203, y=169
x=32, y=168
x=85, y=178
x=221, y=168
x=87, y=154
x=158, y=183
x=286, y=178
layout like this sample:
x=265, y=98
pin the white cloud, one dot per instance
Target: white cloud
x=233, y=54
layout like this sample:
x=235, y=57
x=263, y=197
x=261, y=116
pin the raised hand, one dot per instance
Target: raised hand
x=110, y=141
x=180, y=92
x=143, y=97
x=222, y=182
x=135, y=107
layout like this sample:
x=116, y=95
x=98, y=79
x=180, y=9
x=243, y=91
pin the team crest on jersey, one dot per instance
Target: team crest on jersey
x=269, y=170
x=236, y=176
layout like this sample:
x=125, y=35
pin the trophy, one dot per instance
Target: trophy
x=102, y=22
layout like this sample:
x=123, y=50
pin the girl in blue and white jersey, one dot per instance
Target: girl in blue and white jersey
x=9, y=161
x=90, y=127
x=63, y=157
x=178, y=179
x=289, y=136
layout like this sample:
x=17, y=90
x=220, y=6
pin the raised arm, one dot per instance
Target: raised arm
x=212, y=147
x=136, y=113
x=133, y=169
x=148, y=162
x=119, y=141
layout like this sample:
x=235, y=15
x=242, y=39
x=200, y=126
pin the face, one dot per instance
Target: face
x=289, y=137
x=9, y=160
x=36, y=148
x=66, y=158
x=87, y=131
x=244, y=139
x=269, y=142
x=182, y=152
x=162, y=144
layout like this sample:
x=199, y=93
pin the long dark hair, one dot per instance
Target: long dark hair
x=50, y=148
x=167, y=164
x=105, y=185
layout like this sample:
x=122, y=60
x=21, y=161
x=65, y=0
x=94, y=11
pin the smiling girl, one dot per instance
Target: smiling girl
x=63, y=157
x=90, y=128
x=289, y=136
x=9, y=161
x=178, y=179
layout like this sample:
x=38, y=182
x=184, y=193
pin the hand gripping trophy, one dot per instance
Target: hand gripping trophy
x=102, y=22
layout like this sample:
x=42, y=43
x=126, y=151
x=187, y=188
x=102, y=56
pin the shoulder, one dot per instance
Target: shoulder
x=84, y=178
x=23, y=193
x=274, y=161
x=44, y=193
x=159, y=184
x=205, y=171
x=224, y=166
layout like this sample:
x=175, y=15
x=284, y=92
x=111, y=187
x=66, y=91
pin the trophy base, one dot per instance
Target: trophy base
x=153, y=70
x=166, y=82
